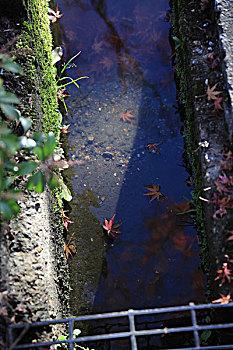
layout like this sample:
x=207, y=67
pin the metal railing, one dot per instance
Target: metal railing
x=132, y=333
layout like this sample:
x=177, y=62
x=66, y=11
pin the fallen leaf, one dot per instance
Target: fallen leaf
x=224, y=274
x=223, y=299
x=211, y=93
x=112, y=229
x=153, y=147
x=54, y=15
x=154, y=192
x=217, y=104
x=107, y=63
x=127, y=116
x=204, y=4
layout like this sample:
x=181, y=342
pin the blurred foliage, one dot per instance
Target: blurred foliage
x=32, y=157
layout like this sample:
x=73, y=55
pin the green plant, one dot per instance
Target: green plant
x=76, y=333
x=61, y=87
x=33, y=158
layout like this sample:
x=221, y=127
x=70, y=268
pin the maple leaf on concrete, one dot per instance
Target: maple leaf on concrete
x=211, y=93
x=223, y=299
x=154, y=192
x=54, y=15
x=217, y=104
x=127, y=116
x=224, y=274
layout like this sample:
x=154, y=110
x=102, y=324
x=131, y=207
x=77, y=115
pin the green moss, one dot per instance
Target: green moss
x=36, y=36
x=190, y=138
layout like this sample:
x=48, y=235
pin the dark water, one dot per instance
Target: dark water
x=126, y=53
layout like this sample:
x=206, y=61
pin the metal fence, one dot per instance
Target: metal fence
x=195, y=329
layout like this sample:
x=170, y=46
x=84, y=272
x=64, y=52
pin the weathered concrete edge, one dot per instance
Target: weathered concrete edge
x=194, y=74
x=225, y=25
x=34, y=267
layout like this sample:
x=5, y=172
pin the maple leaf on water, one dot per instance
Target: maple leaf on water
x=61, y=94
x=127, y=116
x=153, y=147
x=54, y=15
x=223, y=299
x=107, y=63
x=211, y=93
x=98, y=45
x=154, y=192
x=69, y=248
x=113, y=230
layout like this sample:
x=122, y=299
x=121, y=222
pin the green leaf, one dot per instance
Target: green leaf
x=9, y=111
x=61, y=337
x=65, y=193
x=12, y=67
x=38, y=137
x=5, y=210
x=15, y=208
x=49, y=145
x=206, y=334
x=26, y=123
x=53, y=183
x=41, y=184
x=10, y=142
x=39, y=152
x=8, y=97
x=38, y=181
x=26, y=167
x=178, y=42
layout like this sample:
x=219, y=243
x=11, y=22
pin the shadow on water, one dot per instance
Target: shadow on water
x=155, y=262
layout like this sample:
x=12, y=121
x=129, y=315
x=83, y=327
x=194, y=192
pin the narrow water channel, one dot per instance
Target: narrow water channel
x=126, y=54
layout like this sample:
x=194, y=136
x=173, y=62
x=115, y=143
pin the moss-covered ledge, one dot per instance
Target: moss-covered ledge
x=34, y=272
x=206, y=136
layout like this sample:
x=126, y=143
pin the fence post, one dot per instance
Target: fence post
x=70, y=323
x=195, y=331
x=132, y=331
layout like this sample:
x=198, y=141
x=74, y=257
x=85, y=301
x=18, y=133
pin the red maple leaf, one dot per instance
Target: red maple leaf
x=64, y=129
x=112, y=229
x=153, y=147
x=224, y=203
x=54, y=15
x=223, y=299
x=61, y=95
x=127, y=116
x=217, y=104
x=221, y=187
x=224, y=274
x=227, y=163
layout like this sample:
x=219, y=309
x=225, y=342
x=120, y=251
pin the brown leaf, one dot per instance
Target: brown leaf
x=154, y=192
x=217, y=104
x=127, y=116
x=211, y=93
x=223, y=299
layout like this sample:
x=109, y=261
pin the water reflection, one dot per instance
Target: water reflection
x=126, y=53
